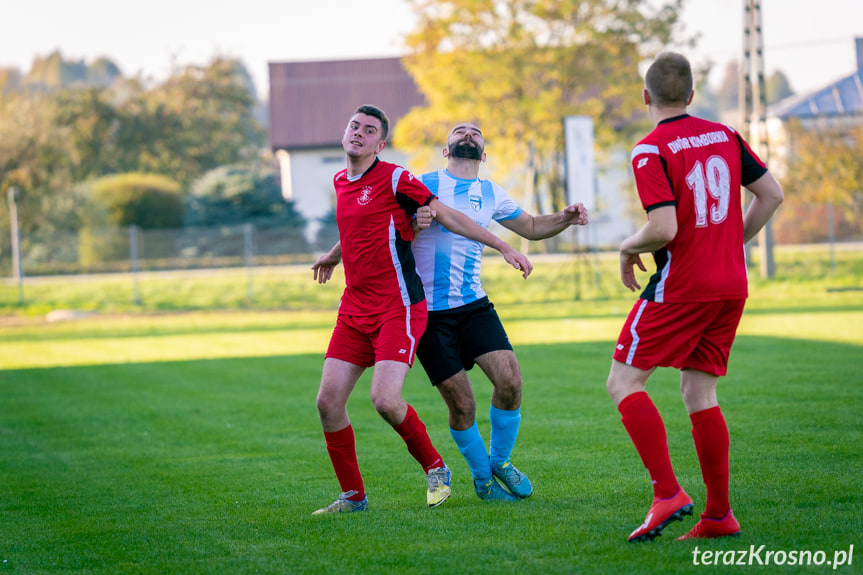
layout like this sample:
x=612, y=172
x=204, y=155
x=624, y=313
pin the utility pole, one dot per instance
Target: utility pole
x=753, y=110
x=17, y=275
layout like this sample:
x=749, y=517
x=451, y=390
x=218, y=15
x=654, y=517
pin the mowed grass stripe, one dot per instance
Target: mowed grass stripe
x=206, y=336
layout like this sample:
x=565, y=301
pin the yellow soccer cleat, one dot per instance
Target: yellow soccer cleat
x=344, y=505
x=439, y=490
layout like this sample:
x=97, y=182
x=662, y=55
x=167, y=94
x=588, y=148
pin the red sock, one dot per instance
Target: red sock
x=712, y=444
x=413, y=431
x=343, y=453
x=647, y=431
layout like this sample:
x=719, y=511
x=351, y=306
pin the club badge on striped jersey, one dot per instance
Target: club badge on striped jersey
x=476, y=203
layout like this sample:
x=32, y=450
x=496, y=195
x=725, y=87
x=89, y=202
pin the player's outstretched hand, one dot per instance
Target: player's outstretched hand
x=627, y=271
x=517, y=260
x=576, y=215
x=424, y=218
x=323, y=267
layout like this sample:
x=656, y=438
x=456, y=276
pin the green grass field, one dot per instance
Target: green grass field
x=189, y=443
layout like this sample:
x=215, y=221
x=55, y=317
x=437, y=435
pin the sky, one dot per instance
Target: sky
x=812, y=43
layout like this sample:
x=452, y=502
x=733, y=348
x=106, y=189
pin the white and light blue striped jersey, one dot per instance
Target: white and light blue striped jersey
x=449, y=264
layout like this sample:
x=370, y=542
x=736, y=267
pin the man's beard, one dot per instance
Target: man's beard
x=466, y=151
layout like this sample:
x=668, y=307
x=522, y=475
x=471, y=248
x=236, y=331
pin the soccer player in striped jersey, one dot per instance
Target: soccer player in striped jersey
x=463, y=327
x=383, y=311
x=688, y=173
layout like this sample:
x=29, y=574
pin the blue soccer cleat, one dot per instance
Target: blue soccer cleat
x=513, y=479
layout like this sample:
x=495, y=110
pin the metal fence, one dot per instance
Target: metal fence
x=259, y=256
x=116, y=250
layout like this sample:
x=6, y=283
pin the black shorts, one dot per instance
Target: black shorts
x=455, y=338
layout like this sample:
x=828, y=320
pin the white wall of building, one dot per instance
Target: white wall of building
x=307, y=179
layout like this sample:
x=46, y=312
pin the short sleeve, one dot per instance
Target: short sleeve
x=651, y=178
x=504, y=206
x=409, y=191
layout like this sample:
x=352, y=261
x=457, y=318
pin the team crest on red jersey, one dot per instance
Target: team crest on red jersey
x=365, y=196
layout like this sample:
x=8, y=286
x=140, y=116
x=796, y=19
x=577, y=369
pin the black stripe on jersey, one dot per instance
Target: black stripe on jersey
x=407, y=203
x=750, y=169
x=661, y=257
x=667, y=179
x=660, y=205
x=413, y=283
x=372, y=167
x=675, y=118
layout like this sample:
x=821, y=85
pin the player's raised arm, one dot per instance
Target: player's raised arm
x=457, y=222
x=547, y=225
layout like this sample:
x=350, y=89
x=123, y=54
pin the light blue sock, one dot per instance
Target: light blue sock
x=504, y=430
x=472, y=447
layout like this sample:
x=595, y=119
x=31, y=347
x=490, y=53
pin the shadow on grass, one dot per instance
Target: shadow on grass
x=100, y=328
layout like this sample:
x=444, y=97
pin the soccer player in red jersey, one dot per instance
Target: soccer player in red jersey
x=688, y=172
x=382, y=314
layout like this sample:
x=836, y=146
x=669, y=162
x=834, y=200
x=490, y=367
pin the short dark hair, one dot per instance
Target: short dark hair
x=376, y=112
x=669, y=80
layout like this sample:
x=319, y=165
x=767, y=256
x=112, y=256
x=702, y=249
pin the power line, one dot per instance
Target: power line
x=787, y=46
x=807, y=44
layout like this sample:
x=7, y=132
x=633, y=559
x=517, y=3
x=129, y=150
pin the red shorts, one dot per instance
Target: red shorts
x=367, y=339
x=694, y=335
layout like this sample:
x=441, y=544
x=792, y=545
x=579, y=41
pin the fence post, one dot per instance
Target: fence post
x=133, y=260
x=831, y=225
x=250, y=263
x=17, y=270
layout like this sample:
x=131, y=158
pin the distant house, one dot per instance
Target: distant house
x=310, y=104
x=841, y=101
x=835, y=105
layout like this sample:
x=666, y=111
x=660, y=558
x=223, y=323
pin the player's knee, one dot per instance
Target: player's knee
x=511, y=384
x=385, y=405
x=326, y=406
x=508, y=384
x=614, y=387
x=463, y=410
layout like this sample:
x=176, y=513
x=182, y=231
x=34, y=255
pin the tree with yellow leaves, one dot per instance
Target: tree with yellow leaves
x=517, y=68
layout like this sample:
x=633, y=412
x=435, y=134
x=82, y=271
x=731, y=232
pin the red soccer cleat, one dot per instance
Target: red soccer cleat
x=708, y=528
x=663, y=512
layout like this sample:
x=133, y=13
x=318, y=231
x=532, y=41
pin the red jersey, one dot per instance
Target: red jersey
x=374, y=215
x=698, y=167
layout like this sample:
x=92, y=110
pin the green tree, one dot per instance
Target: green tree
x=49, y=141
x=86, y=121
x=10, y=79
x=239, y=194
x=519, y=67
x=328, y=233
x=33, y=155
x=200, y=118
x=54, y=71
x=826, y=166
x=149, y=201
x=103, y=72
x=65, y=132
x=778, y=87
